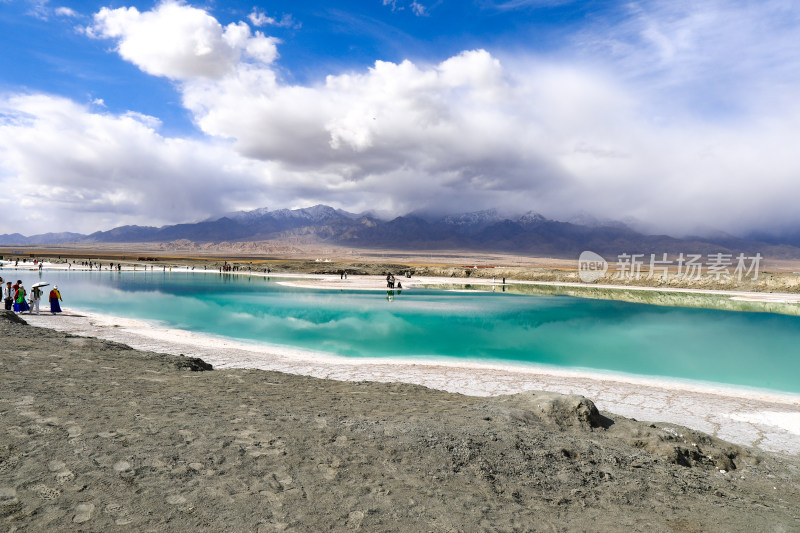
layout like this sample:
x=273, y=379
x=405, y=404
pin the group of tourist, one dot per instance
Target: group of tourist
x=14, y=297
x=390, y=281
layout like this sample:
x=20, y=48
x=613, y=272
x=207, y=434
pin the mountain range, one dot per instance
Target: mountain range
x=489, y=230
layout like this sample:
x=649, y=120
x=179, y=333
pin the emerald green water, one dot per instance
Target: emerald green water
x=738, y=348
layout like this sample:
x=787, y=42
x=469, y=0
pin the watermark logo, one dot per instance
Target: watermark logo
x=591, y=267
x=717, y=266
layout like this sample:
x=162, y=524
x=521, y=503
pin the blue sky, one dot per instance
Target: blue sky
x=681, y=115
x=51, y=54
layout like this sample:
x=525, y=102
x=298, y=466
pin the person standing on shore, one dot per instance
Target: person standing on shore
x=55, y=296
x=22, y=304
x=8, y=296
x=36, y=295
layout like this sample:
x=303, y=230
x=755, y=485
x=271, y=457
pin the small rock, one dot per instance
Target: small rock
x=195, y=364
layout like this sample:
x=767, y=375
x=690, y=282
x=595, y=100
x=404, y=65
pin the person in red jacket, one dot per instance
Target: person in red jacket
x=55, y=296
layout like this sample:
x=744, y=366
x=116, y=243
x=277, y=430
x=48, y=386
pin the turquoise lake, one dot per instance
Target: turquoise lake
x=748, y=349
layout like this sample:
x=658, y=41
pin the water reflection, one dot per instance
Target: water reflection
x=390, y=294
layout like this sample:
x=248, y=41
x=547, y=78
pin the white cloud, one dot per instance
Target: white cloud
x=179, y=41
x=680, y=114
x=522, y=4
x=259, y=18
x=90, y=170
x=65, y=12
x=39, y=9
x=416, y=8
x=703, y=55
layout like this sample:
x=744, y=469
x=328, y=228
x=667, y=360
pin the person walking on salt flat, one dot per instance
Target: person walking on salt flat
x=22, y=304
x=36, y=295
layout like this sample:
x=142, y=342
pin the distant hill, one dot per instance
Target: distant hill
x=44, y=238
x=529, y=233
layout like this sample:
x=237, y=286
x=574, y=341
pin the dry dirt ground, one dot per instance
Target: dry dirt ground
x=96, y=436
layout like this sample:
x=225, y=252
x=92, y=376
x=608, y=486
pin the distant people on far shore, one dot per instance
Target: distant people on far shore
x=55, y=296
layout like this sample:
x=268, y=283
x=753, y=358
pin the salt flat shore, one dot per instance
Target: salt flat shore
x=764, y=419
x=96, y=436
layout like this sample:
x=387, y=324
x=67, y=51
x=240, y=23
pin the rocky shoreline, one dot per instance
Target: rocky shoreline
x=97, y=436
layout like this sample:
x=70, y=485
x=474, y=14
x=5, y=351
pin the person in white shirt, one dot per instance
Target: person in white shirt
x=36, y=295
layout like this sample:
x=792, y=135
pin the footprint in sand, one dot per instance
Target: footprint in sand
x=176, y=499
x=354, y=519
x=83, y=513
x=64, y=476
x=327, y=472
x=25, y=401
x=36, y=429
x=124, y=470
x=180, y=502
x=8, y=463
x=118, y=513
x=17, y=432
x=9, y=503
x=272, y=527
x=45, y=492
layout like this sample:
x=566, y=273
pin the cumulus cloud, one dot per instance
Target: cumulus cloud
x=96, y=170
x=448, y=122
x=179, y=41
x=677, y=114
